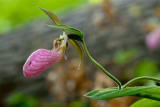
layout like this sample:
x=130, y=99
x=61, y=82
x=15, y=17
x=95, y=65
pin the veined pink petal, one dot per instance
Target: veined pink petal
x=40, y=60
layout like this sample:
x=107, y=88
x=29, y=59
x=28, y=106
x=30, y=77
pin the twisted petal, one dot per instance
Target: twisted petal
x=38, y=61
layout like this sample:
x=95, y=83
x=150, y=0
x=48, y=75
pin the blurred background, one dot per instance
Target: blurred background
x=122, y=35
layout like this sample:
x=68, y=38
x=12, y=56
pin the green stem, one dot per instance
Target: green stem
x=138, y=79
x=99, y=66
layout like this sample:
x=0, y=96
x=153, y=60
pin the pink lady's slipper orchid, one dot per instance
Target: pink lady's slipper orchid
x=153, y=39
x=41, y=59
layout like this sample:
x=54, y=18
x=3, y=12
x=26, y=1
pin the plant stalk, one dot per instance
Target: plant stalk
x=99, y=66
x=138, y=79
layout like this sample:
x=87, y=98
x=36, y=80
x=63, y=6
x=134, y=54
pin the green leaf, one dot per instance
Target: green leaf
x=78, y=49
x=151, y=94
x=52, y=16
x=110, y=93
x=146, y=103
x=65, y=27
x=74, y=37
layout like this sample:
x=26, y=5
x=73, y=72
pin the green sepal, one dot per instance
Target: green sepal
x=52, y=16
x=78, y=49
x=110, y=93
x=74, y=37
x=65, y=27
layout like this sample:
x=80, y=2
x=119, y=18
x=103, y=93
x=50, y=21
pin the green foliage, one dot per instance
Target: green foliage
x=54, y=105
x=25, y=100
x=16, y=12
x=146, y=68
x=140, y=91
x=75, y=104
x=95, y=1
x=22, y=100
x=123, y=57
x=79, y=103
x=146, y=103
